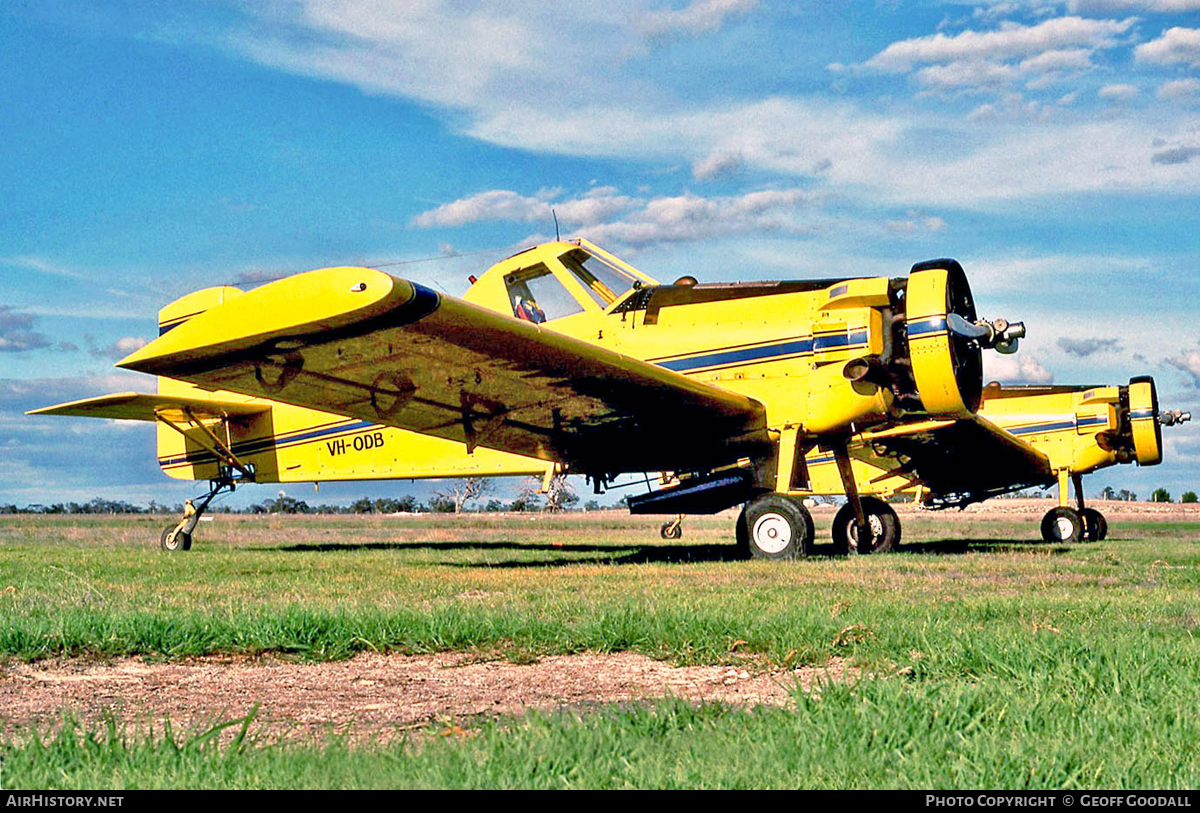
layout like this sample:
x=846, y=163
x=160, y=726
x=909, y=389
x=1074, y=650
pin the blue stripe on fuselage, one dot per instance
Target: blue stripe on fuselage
x=740, y=356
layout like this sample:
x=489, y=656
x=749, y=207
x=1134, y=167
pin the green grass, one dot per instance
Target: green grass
x=1001, y=662
x=1060, y=730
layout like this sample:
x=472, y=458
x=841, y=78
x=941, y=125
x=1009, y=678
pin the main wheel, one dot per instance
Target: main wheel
x=182, y=540
x=671, y=530
x=777, y=527
x=1095, y=526
x=1062, y=525
x=881, y=519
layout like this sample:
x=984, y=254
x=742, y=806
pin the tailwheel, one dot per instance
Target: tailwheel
x=882, y=521
x=178, y=537
x=672, y=529
x=1062, y=525
x=776, y=527
x=1095, y=526
x=175, y=539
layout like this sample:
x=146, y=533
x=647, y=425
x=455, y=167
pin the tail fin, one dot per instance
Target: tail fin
x=194, y=304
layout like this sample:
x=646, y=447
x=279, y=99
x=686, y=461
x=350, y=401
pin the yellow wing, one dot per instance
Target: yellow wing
x=362, y=343
x=141, y=406
x=960, y=461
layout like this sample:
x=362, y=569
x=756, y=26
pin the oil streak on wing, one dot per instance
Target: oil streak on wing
x=362, y=343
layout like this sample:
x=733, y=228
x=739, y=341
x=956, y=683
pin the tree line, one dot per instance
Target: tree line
x=456, y=496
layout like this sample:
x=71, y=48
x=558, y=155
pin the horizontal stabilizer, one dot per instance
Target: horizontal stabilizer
x=142, y=406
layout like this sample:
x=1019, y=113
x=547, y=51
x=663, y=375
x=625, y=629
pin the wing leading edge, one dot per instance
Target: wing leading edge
x=361, y=343
x=142, y=406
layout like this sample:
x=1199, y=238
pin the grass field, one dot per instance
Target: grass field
x=997, y=661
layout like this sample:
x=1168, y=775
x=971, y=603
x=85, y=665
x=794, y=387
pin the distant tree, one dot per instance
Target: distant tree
x=528, y=498
x=494, y=505
x=441, y=504
x=460, y=492
x=1160, y=495
x=591, y=505
x=1108, y=493
x=560, y=496
x=1189, y=497
x=1126, y=495
x=283, y=504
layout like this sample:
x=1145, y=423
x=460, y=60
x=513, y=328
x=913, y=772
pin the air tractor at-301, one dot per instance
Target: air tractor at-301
x=565, y=359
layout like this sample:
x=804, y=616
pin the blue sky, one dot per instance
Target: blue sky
x=150, y=149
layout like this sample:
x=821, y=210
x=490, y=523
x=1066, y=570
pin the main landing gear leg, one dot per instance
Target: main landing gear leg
x=178, y=537
x=1095, y=526
x=863, y=524
x=1064, y=523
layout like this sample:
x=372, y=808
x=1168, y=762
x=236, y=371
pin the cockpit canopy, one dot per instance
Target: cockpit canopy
x=541, y=286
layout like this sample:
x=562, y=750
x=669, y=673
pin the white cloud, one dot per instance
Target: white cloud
x=1174, y=46
x=608, y=217
x=1180, y=90
x=1067, y=59
x=1175, y=155
x=1082, y=348
x=974, y=74
x=1018, y=368
x=496, y=204
x=1010, y=41
x=981, y=61
x=716, y=165
x=502, y=204
x=1188, y=362
x=698, y=17
x=1117, y=92
x=916, y=222
x=477, y=58
x=1151, y=6
x=512, y=94
x=17, y=334
x=43, y=266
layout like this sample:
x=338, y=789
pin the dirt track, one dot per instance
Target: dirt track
x=374, y=694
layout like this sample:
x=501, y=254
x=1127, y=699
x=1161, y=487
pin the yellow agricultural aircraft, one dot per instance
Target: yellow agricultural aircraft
x=563, y=358
x=1057, y=435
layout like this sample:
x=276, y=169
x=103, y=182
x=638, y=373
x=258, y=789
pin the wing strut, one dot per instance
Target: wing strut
x=218, y=447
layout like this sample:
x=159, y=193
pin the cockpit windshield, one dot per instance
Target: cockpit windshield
x=604, y=282
x=536, y=296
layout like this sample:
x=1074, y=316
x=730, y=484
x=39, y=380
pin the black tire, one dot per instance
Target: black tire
x=885, y=527
x=182, y=541
x=778, y=527
x=742, y=534
x=1062, y=525
x=1095, y=526
x=671, y=530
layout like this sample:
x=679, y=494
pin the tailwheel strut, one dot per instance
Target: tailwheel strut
x=178, y=537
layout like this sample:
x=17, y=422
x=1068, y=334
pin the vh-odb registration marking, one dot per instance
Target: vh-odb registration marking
x=360, y=443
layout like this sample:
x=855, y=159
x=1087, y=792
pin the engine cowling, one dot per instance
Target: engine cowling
x=1143, y=421
x=947, y=366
